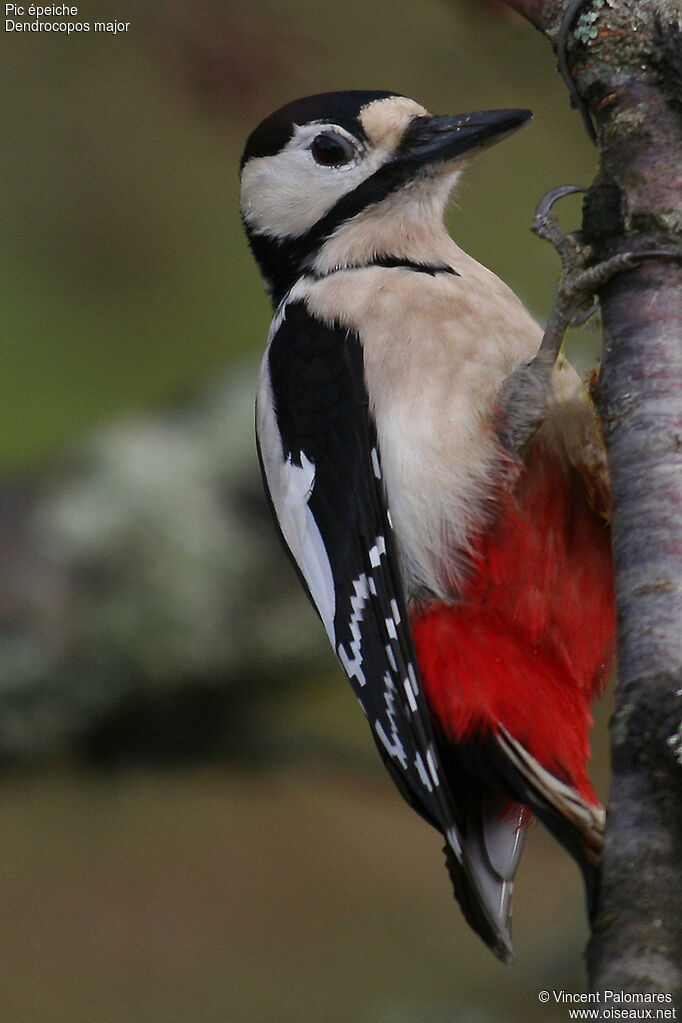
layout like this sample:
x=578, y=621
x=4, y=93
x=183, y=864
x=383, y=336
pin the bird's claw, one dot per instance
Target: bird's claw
x=543, y=210
x=576, y=296
x=545, y=225
x=581, y=277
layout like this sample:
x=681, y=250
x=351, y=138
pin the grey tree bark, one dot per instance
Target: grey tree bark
x=624, y=58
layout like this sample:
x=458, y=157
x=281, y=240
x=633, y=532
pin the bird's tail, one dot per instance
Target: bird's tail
x=483, y=873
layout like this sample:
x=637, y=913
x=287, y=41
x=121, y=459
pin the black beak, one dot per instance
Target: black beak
x=431, y=140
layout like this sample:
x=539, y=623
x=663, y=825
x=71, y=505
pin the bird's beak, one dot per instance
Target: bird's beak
x=432, y=140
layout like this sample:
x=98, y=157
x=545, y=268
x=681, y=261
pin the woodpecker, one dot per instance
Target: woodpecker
x=458, y=559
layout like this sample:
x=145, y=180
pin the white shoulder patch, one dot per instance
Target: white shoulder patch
x=290, y=487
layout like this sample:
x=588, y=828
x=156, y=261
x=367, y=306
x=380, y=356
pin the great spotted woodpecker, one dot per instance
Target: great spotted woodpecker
x=459, y=562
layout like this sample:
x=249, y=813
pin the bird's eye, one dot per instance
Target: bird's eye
x=331, y=150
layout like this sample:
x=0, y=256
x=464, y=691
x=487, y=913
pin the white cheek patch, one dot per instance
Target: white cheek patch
x=285, y=195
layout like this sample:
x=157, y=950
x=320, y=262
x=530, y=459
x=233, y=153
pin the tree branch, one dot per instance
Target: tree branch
x=625, y=59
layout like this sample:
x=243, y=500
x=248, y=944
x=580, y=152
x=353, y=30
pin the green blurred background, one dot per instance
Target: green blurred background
x=194, y=825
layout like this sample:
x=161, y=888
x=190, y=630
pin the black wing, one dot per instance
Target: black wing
x=322, y=468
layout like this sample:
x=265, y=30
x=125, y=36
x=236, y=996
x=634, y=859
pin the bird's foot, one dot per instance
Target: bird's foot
x=581, y=276
x=525, y=395
x=576, y=302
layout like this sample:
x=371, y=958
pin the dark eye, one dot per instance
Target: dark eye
x=331, y=150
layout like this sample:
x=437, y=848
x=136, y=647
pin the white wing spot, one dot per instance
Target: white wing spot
x=375, y=463
x=290, y=486
x=353, y=663
x=393, y=745
x=391, y=657
x=377, y=551
x=303, y=536
x=433, y=770
x=390, y=626
x=395, y=611
x=410, y=695
x=423, y=773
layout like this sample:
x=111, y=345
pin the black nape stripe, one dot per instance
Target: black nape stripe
x=282, y=262
x=392, y=262
x=408, y=264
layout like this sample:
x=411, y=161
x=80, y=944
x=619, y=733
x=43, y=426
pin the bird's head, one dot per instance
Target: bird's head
x=340, y=178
